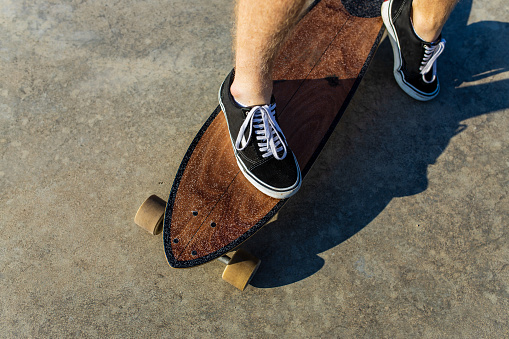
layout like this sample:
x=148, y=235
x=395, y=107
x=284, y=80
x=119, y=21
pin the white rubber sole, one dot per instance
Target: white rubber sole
x=398, y=60
x=261, y=186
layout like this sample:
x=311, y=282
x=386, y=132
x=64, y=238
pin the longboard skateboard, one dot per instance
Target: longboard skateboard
x=212, y=208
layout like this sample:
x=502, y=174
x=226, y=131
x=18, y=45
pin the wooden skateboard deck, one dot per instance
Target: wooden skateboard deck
x=212, y=208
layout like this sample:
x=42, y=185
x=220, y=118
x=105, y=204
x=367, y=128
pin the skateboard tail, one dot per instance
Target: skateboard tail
x=178, y=258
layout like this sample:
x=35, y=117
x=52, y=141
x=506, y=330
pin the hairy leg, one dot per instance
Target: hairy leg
x=261, y=28
x=430, y=16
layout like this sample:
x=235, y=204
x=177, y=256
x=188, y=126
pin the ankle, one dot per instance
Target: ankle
x=427, y=27
x=426, y=31
x=250, y=94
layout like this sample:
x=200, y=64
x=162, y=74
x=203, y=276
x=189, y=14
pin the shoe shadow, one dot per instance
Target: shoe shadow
x=384, y=151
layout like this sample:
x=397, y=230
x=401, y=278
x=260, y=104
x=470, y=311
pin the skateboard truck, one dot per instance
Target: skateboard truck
x=240, y=267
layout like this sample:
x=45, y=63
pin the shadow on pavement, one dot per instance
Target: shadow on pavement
x=385, y=151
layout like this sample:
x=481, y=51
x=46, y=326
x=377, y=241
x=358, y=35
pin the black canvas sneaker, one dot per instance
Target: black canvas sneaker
x=415, y=60
x=260, y=146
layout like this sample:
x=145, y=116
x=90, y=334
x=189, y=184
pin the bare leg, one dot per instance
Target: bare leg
x=261, y=28
x=429, y=17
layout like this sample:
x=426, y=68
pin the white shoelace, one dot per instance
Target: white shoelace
x=429, y=60
x=268, y=134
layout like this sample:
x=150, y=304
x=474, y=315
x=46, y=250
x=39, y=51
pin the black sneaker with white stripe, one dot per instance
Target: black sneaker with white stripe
x=260, y=146
x=414, y=59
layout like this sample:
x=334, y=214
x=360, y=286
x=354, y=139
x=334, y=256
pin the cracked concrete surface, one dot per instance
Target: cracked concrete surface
x=400, y=229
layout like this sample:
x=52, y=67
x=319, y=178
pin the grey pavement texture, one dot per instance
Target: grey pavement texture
x=400, y=230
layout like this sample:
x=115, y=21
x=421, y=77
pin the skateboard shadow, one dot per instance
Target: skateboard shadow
x=384, y=152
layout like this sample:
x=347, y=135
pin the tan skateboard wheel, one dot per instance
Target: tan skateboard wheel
x=274, y=218
x=150, y=215
x=240, y=269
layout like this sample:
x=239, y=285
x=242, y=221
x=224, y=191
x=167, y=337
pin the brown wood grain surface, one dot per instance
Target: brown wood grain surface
x=314, y=73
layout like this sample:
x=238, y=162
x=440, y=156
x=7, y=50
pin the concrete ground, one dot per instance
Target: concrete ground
x=399, y=231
